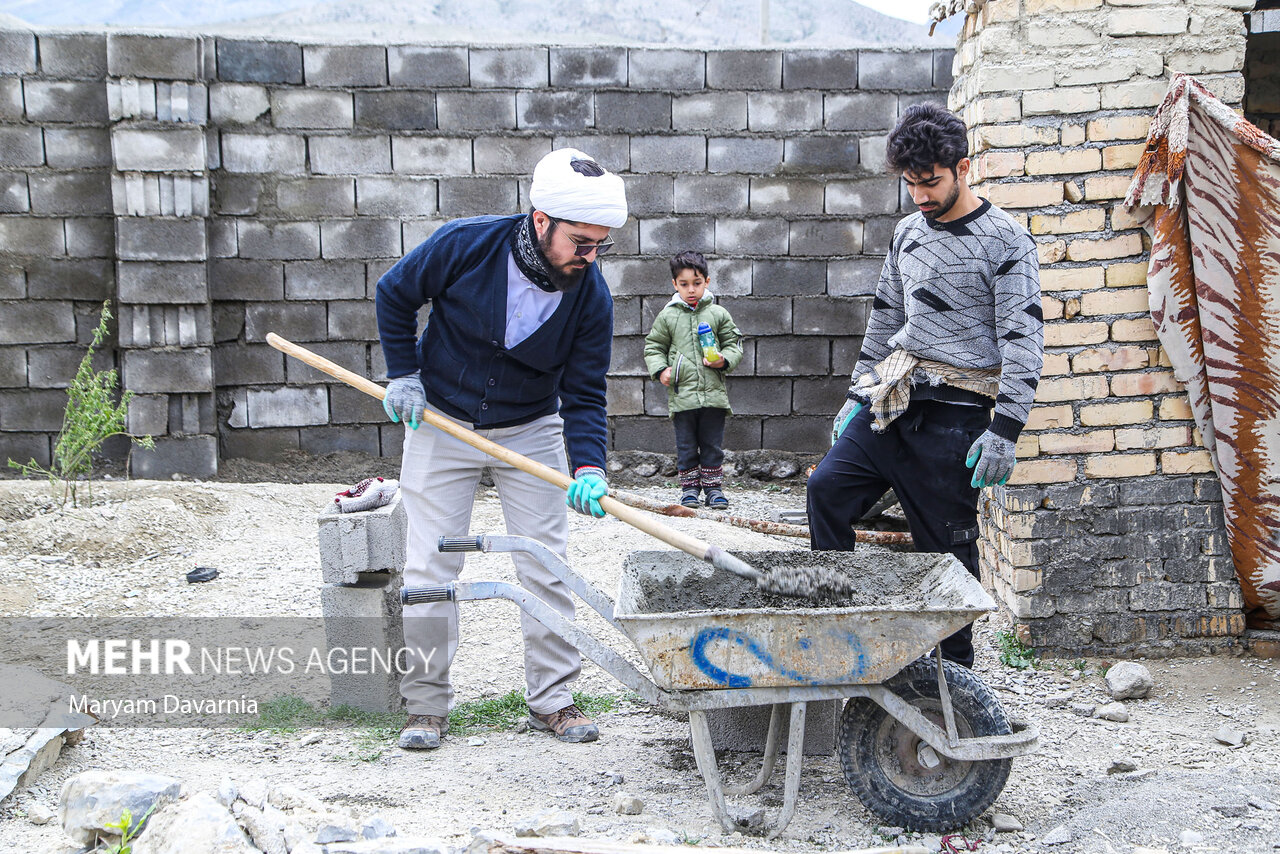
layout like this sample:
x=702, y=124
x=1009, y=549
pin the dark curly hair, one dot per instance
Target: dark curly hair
x=925, y=135
x=688, y=260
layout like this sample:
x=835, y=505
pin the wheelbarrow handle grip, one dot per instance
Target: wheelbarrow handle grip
x=460, y=544
x=422, y=595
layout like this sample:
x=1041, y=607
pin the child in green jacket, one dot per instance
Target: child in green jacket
x=696, y=394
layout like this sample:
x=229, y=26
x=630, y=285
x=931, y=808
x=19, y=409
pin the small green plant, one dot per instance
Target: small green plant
x=1013, y=652
x=127, y=829
x=91, y=417
x=686, y=839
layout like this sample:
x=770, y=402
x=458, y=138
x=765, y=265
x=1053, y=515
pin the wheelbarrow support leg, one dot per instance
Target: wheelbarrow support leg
x=770, y=758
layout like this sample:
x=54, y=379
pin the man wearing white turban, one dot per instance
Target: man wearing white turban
x=517, y=347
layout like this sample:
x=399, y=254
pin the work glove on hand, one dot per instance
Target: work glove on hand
x=994, y=458
x=405, y=400
x=843, y=417
x=586, y=491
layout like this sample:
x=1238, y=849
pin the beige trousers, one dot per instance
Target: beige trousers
x=438, y=479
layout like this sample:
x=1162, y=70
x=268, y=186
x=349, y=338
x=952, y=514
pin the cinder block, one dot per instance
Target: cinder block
x=509, y=67
x=822, y=396
x=588, y=67
x=612, y=151
x=23, y=447
x=37, y=322
x=228, y=324
x=789, y=278
x=148, y=415
x=630, y=276
x=427, y=67
x=81, y=101
x=157, y=371
x=294, y=321
x=21, y=146
x=77, y=148
x=193, y=456
x=563, y=111
x=820, y=69
x=826, y=154
x=13, y=282
x=14, y=197
x=668, y=154
x=802, y=433
x=509, y=154
x=302, y=108
x=877, y=234
x=278, y=240
x=350, y=155
x=237, y=103
x=153, y=57
x=396, y=196
x=360, y=238
x=650, y=195
x=721, y=111
x=288, y=407
x=943, y=62
x=348, y=406
x=632, y=111
x=895, y=70
x=743, y=432
x=476, y=111
x=55, y=367
x=272, y=446
x=13, y=367
x=18, y=52
x=367, y=616
x=70, y=55
x=158, y=149
x=853, y=276
x=712, y=194
x=274, y=153
x=247, y=364
x=238, y=279
x=259, y=61
x=786, y=196
x=669, y=70
x=751, y=237
x=744, y=69
x=786, y=112
x=412, y=232
x=344, y=65
x=753, y=156
x=396, y=110
x=674, y=234
x=353, y=321
x=641, y=433
x=323, y=280
x=316, y=197
x=362, y=439
x=828, y=316
x=863, y=197
x=760, y=395
x=476, y=196
x=32, y=235
x=861, y=111
x=32, y=410
x=142, y=282
x=757, y=316
x=356, y=543
x=11, y=99
x=826, y=237
x=60, y=278
x=155, y=239
x=431, y=155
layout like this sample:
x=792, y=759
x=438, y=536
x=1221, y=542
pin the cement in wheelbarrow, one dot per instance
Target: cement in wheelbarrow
x=699, y=629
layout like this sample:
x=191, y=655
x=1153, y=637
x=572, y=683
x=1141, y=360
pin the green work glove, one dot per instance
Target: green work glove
x=586, y=491
x=405, y=400
x=994, y=459
x=843, y=417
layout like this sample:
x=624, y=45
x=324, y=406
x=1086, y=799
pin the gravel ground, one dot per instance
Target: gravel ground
x=128, y=554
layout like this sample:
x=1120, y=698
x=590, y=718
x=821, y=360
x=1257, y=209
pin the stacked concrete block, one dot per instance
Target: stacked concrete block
x=1262, y=83
x=1109, y=537
x=361, y=564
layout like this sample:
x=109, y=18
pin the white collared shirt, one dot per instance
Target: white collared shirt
x=528, y=306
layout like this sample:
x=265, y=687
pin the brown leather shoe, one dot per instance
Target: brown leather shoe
x=568, y=724
x=422, y=732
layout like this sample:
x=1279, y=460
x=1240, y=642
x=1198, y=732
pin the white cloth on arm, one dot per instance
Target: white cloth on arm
x=528, y=306
x=564, y=193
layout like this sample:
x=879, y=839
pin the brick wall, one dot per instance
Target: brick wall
x=1262, y=71
x=1109, y=537
x=220, y=189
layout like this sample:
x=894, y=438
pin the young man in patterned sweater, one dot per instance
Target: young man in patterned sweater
x=955, y=331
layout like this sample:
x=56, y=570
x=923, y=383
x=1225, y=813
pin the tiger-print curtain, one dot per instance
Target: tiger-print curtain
x=1208, y=190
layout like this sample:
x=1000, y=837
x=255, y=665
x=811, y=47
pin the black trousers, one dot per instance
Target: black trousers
x=921, y=456
x=699, y=438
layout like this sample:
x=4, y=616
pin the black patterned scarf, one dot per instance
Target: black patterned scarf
x=529, y=258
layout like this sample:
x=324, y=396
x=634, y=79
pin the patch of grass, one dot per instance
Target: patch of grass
x=495, y=713
x=285, y=714
x=1013, y=652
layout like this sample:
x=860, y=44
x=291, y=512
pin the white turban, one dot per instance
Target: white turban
x=562, y=192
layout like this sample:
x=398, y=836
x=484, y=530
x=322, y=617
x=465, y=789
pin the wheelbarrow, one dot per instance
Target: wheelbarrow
x=923, y=743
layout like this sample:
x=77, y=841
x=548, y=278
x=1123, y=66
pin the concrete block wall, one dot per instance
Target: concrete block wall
x=1109, y=537
x=1262, y=72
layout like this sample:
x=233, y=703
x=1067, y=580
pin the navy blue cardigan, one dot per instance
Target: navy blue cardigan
x=467, y=372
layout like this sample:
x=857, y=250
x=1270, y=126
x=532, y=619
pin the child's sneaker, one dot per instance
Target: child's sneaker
x=716, y=499
x=689, y=496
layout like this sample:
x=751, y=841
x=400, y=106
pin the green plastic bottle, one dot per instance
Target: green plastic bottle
x=707, y=341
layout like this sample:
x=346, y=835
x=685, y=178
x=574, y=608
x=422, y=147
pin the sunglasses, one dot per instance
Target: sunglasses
x=582, y=250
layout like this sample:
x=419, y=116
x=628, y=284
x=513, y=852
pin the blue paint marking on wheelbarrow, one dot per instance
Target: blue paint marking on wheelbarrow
x=705, y=638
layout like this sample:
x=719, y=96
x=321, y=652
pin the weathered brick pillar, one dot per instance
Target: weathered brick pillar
x=1109, y=538
x=160, y=194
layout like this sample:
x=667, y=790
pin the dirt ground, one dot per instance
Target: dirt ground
x=129, y=552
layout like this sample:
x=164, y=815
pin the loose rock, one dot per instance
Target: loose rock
x=40, y=814
x=1122, y=766
x=94, y=798
x=1129, y=680
x=624, y=804
x=199, y=823
x=1190, y=837
x=1229, y=736
x=1005, y=823
x=1112, y=712
x=548, y=822
x=1058, y=836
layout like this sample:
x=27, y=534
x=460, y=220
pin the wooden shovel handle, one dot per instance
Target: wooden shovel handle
x=634, y=518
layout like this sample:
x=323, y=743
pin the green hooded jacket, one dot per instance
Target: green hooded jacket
x=673, y=343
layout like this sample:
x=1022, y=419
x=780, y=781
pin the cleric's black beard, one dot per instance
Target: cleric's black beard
x=559, y=279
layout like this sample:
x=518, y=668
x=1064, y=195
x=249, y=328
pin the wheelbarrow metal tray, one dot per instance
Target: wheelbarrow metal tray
x=699, y=628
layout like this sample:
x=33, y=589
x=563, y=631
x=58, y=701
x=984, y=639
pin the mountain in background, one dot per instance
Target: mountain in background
x=700, y=23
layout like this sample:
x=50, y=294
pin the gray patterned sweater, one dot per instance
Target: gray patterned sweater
x=966, y=293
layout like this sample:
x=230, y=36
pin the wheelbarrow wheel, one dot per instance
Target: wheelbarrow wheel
x=884, y=766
